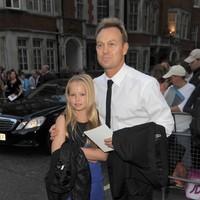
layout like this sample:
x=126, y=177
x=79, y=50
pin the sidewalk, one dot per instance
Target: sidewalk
x=171, y=194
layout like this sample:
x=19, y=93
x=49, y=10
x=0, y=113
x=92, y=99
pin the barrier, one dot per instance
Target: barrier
x=184, y=158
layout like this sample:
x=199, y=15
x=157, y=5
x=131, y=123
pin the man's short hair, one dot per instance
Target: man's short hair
x=112, y=22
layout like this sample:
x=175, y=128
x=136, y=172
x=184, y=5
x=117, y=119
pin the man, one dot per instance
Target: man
x=193, y=103
x=136, y=98
x=177, y=74
x=34, y=79
x=194, y=62
x=45, y=75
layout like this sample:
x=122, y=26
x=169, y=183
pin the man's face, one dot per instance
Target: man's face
x=110, y=48
x=175, y=80
x=195, y=64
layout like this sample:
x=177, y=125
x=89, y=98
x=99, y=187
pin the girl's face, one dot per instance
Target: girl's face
x=77, y=97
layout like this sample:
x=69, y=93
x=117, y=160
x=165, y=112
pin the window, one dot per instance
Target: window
x=133, y=15
x=178, y=23
x=13, y=3
x=32, y=5
x=51, y=54
x=172, y=23
x=57, y=6
x=102, y=9
x=146, y=17
x=196, y=4
x=37, y=53
x=138, y=58
x=154, y=20
x=22, y=53
x=194, y=34
x=79, y=9
x=117, y=8
x=92, y=64
x=145, y=61
x=184, y=25
x=47, y=6
x=2, y=51
x=132, y=58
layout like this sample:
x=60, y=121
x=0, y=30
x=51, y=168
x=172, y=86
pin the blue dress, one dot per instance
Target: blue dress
x=97, y=192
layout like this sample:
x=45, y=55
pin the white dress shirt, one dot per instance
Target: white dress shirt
x=136, y=99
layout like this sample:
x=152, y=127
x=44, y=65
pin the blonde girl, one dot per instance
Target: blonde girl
x=80, y=115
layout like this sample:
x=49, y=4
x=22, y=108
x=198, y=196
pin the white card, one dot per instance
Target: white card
x=97, y=135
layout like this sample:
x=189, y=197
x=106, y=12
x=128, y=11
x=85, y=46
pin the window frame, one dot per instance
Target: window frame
x=79, y=9
x=34, y=7
x=22, y=53
x=37, y=53
x=51, y=54
x=12, y=4
x=132, y=58
x=196, y=4
x=133, y=15
x=102, y=9
x=47, y=6
x=117, y=8
x=180, y=24
x=146, y=16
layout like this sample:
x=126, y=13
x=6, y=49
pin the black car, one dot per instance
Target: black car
x=26, y=122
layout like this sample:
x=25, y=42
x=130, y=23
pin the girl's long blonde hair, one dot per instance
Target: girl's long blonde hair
x=93, y=119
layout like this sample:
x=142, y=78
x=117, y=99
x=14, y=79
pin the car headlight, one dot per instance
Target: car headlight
x=33, y=123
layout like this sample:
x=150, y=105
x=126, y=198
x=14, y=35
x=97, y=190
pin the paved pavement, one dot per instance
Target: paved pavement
x=22, y=174
x=170, y=194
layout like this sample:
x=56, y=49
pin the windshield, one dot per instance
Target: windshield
x=47, y=91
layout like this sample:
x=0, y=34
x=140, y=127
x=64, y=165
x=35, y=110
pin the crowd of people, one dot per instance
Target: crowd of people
x=15, y=85
x=181, y=89
x=176, y=83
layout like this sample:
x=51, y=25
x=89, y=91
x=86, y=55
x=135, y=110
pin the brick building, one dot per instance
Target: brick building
x=61, y=32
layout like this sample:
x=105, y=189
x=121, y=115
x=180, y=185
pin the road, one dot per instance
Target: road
x=22, y=172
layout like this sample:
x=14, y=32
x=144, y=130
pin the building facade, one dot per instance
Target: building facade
x=60, y=33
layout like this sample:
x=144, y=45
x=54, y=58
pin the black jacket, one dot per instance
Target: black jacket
x=191, y=102
x=140, y=153
x=69, y=174
x=195, y=80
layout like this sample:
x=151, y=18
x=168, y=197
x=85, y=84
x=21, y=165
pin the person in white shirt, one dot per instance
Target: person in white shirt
x=136, y=97
x=177, y=74
x=33, y=79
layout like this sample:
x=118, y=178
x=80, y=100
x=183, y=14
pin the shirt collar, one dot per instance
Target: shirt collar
x=119, y=76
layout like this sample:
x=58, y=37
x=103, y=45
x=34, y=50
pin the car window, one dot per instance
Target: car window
x=49, y=91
